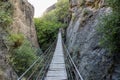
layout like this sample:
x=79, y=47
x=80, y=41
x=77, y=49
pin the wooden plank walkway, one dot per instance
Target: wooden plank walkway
x=57, y=70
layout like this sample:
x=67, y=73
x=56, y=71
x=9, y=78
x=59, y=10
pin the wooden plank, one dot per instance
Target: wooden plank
x=57, y=70
x=54, y=78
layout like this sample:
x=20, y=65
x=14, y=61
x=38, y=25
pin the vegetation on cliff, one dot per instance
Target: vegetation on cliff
x=5, y=13
x=110, y=28
x=47, y=26
x=21, y=54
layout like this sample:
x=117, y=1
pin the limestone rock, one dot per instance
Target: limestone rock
x=94, y=62
x=23, y=20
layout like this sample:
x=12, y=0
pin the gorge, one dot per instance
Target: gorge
x=81, y=21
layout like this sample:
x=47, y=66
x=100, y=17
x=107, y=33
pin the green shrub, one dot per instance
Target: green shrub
x=22, y=57
x=115, y=4
x=46, y=32
x=22, y=54
x=6, y=10
x=62, y=9
x=5, y=19
x=48, y=25
x=15, y=40
x=110, y=28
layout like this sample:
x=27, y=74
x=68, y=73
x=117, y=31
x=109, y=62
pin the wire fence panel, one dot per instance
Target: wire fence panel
x=72, y=70
x=38, y=69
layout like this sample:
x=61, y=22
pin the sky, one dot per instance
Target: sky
x=41, y=5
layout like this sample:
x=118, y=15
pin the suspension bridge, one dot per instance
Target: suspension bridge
x=55, y=63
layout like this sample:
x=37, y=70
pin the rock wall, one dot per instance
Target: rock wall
x=82, y=39
x=23, y=20
x=6, y=71
x=22, y=23
x=50, y=8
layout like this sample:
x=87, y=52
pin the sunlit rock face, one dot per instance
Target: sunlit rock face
x=82, y=38
x=23, y=20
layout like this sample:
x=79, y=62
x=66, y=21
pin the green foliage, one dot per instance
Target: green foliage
x=22, y=57
x=62, y=9
x=22, y=54
x=6, y=11
x=5, y=19
x=110, y=28
x=115, y=4
x=48, y=25
x=16, y=40
x=46, y=31
x=50, y=16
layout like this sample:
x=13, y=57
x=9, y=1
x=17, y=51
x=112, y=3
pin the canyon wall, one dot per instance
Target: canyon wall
x=22, y=23
x=23, y=20
x=83, y=40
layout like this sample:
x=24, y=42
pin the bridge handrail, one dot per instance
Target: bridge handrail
x=73, y=62
x=34, y=63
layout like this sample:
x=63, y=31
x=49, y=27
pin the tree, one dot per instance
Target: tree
x=47, y=26
x=110, y=28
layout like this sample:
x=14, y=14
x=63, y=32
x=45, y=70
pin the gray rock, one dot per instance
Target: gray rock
x=93, y=61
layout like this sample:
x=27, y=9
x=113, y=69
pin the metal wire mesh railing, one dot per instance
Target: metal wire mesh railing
x=72, y=70
x=38, y=69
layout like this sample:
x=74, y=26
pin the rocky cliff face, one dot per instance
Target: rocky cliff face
x=22, y=23
x=93, y=61
x=23, y=20
x=50, y=8
x=6, y=72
